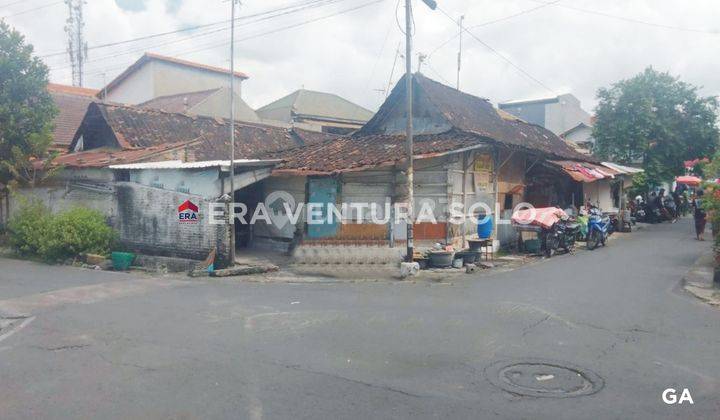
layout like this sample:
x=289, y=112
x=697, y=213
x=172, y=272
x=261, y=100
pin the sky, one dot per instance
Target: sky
x=516, y=49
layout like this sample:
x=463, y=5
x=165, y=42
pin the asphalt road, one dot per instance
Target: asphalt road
x=120, y=346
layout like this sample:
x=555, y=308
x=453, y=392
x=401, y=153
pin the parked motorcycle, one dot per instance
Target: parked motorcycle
x=561, y=235
x=599, y=228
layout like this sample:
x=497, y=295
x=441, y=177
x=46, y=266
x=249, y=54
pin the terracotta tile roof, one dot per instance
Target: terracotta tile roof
x=71, y=90
x=102, y=157
x=71, y=102
x=180, y=102
x=311, y=137
x=152, y=56
x=473, y=114
x=355, y=153
x=130, y=127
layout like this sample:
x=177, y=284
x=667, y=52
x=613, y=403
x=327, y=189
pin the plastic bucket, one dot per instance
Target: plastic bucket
x=122, y=260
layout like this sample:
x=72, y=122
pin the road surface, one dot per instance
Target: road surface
x=88, y=344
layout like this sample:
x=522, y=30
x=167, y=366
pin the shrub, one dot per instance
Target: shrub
x=35, y=232
x=28, y=228
x=75, y=231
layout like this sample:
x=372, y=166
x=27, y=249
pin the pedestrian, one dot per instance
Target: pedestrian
x=699, y=215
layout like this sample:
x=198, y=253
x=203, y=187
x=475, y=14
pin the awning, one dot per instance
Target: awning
x=584, y=171
x=692, y=181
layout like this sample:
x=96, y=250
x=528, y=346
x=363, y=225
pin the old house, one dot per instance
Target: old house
x=137, y=165
x=465, y=152
x=318, y=111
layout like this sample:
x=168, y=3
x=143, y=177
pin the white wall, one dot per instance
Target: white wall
x=136, y=88
x=170, y=79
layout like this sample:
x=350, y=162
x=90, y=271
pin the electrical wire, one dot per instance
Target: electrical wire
x=492, y=22
x=302, y=5
x=497, y=53
x=276, y=30
x=12, y=3
x=631, y=20
x=33, y=9
x=307, y=6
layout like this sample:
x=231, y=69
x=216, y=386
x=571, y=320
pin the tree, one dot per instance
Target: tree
x=26, y=111
x=657, y=120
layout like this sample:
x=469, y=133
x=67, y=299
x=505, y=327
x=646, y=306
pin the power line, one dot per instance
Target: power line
x=629, y=19
x=12, y=3
x=276, y=30
x=196, y=36
x=300, y=6
x=33, y=9
x=496, y=52
x=492, y=22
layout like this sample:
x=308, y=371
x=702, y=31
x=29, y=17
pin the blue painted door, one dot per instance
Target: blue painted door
x=322, y=191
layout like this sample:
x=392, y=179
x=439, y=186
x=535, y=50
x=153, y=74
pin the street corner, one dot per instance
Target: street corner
x=699, y=280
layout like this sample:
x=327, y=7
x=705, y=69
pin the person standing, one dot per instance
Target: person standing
x=699, y=215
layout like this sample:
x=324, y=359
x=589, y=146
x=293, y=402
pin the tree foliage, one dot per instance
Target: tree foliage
x=657, y=120
x=26, y=110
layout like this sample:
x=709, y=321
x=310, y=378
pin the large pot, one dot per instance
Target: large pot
x=441, y=259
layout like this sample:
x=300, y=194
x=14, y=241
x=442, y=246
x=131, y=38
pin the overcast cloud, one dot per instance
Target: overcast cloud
x=352, y=54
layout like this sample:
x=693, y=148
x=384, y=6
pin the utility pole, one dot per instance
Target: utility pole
x=77, y=47
x=409, y=125
x=409, y=128
x=459, y=63
x=232, y=132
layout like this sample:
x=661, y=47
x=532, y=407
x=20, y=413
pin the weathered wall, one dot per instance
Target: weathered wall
x=202, y=182
x=599, y=193
x=147, y=221
x=92, y=188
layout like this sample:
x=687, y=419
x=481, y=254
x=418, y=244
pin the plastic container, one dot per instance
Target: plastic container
x=485, y=227
x=122, y=260
x=457, y=263
x=532, y=246
x=441, y=259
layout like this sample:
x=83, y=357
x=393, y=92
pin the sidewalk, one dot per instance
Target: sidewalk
x=699, y=280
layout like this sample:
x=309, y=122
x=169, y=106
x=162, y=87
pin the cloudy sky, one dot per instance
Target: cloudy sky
x=533, y=48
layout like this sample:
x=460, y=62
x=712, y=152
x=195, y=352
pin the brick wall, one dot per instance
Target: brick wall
x=147, y=222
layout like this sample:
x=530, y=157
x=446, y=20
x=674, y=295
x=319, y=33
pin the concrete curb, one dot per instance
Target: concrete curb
x=698, y=281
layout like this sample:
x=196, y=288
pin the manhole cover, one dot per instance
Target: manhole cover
x=543, y=378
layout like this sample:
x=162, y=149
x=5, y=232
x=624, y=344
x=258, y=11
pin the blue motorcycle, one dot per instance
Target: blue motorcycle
x=599, y=228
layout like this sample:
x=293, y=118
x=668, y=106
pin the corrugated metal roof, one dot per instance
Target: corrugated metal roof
x=622, y=168
x=178, y=164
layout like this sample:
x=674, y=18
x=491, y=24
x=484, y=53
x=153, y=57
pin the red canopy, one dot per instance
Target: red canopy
x=544, y=217
x=692, y=181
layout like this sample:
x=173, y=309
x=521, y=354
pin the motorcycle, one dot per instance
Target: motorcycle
x=561, y=235
x=599, y=228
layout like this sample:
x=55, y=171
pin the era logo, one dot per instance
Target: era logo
x=670, y=396
x=188, y=212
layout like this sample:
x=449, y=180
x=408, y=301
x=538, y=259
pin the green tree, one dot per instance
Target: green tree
x=657, y=120
x=26, y=111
